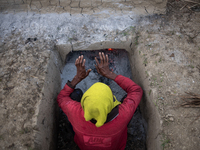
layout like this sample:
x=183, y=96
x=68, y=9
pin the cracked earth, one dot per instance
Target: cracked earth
x=84, y=6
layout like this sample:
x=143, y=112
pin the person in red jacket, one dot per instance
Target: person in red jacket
x=99, y=123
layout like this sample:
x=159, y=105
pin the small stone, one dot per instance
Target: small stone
x=172, y=55
x=171, y=119
x=169, y=115
x=123, y=38
x=161, y=122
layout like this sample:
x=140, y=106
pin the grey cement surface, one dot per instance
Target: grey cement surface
x=80, y=30
x=119, y=63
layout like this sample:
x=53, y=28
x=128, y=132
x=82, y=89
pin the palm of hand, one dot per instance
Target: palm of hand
x=80, y=66
x=103, y=67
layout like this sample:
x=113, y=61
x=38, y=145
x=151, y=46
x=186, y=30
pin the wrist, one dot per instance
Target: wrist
x=75, y=81
x=112, y=76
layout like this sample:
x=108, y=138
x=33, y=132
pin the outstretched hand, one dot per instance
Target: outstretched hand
x=103, y=67
x=80, y=66
x=81, y=71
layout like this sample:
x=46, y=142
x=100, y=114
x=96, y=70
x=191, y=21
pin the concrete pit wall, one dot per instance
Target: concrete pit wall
x=48, y=111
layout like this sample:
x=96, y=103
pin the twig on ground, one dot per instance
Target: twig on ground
x=192, y=100
x=8, y=88
x=191, y=1
x=192, y=95
x=170, y=4
x=189, y=9
x=194, y=5
x=183, y=6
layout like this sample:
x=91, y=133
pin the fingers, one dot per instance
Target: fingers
x=76, y=62
x=101, y=58
x=83, y=64
x=79, y=57
x=80, y=61
x=88, y=71
x=97, y=61
x=97, y=69
x=106, y=58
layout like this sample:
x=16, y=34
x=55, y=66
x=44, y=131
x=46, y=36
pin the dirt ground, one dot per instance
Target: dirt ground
x=168, y=47
x=170, y=50
x=21, y=79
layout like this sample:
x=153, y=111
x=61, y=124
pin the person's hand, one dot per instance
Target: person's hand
x=103, y=67
x=81, y=71
x=80, y=66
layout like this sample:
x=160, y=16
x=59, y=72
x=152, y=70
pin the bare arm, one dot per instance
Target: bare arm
x=64, y=95
x=81, y=72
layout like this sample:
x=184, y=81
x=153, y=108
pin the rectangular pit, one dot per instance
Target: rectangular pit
x=118, y=63
x=56, y=66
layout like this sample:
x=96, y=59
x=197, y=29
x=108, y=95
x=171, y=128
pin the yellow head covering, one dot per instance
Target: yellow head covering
x=97, y=102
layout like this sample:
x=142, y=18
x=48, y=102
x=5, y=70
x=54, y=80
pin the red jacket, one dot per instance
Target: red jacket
x=110, y=136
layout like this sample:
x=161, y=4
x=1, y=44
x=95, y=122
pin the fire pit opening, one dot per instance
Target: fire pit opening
x=120, y=64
